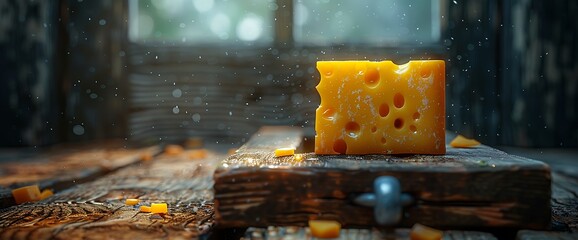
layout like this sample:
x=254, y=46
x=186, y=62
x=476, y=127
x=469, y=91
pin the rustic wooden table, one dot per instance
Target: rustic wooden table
x=91, y=183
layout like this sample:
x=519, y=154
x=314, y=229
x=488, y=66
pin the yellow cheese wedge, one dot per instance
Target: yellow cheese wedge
x=422, y=232
x=324, y=228
x=131, y=201
x=26, y=194
x=159, y=208
x=280, y=152
x=381, y=108
x=463, y=142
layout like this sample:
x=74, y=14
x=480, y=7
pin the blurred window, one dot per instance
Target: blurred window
x=202, y=21
x=319, y=22
x=315, y=22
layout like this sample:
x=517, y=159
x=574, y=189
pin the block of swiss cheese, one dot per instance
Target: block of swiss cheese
x=381, y=108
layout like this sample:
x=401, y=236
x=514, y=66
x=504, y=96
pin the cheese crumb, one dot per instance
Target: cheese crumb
x=463, y=142
x=298, y=157
x=232, y=151
x=422, y=232
x=46, y=193
x=131, y=201
x=173, y=150
x=146, y=209
x=324, y=228
x=26, y=194
x=280, y=152
x=159, y=208
x=146, y=156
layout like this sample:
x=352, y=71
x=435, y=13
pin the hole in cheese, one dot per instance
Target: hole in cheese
x=415, y=116
x=329, y=113
x=328, y=70
x=373, y=129
x=425, y=72
x=340, y=146
x=383, y=110
x=398, y=123
x=398, y=100
x=352, y=129
x=371, y=77
x=413, y=128
x=383, y=140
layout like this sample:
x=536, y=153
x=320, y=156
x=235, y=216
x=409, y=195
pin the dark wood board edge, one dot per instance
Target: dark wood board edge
x=238, y=171
x=242, y=197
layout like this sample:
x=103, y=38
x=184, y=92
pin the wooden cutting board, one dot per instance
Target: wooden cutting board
x=466, y=188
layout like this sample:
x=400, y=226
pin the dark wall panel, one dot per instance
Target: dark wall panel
x=473, y=92
x=540, y=80
x=29, y=111
x=93, y=82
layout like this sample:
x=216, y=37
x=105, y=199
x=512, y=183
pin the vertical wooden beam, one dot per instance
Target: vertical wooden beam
x=284, y=23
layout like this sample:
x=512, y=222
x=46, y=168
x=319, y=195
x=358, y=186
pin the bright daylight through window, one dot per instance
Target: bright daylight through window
x=202, y=21
x=315, y=22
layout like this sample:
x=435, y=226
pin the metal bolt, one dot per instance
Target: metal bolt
x=387, y=200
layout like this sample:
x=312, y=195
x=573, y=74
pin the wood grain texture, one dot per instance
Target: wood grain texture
x=96, y=210
x=564, y=202
x=66, y=166
x=477, y=187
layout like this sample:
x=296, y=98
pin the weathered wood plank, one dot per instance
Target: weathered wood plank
x=564, y=202
x=66, y=166
x=97, y=210
x=478, y=187
x=564, y=183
